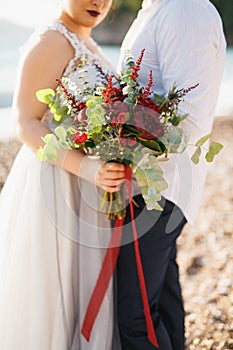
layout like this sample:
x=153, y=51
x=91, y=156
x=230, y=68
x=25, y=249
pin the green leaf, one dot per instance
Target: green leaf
x=125, y=79
x=50, y=138
x=202, y=140
x=214, y=149
x=90, y=103
x=158, y=99
x=175, y=136
x=41, y=155
x=45, y=95
x=151, y=198
x=153, y=145
x=177, y=119
x=196, y=156
x=50, y=152
x=61, y=133
x=131, y=129
x=151, y=176
x=132, y=83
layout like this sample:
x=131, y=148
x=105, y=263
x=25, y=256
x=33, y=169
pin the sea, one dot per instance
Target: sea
x=9, y=56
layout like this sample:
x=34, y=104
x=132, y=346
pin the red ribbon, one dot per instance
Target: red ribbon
x=108, y=268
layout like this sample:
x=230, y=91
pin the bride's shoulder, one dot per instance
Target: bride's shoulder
x=49, y=38
x=48, y=42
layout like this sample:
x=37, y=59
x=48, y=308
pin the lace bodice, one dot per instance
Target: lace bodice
x=80, y=49
x=81, y=52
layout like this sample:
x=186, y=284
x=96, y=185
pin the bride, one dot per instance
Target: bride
x=53, y=238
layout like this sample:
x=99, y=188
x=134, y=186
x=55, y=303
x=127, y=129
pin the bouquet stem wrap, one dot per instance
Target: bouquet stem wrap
x=108, y=268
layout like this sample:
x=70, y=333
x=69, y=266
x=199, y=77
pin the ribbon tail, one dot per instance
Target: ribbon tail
x=149, y=323
x=103, y=280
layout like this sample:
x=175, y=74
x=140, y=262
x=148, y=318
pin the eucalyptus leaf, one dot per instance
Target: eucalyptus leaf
x=90, y=103
x=151, y=198
x=132, y=83
x=41, y=155
x=61, y=133
x=126, y=78
x=202, y=140
x=174, y=137
x=196, y=156
x=45, y=95
x=214, y=149
x=50, y=138
x=50, y=152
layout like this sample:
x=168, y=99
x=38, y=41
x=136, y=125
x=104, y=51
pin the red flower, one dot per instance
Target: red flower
x=135, y=69
x=81, y=105
x=79, y=137
x=146, y=121
x=147, y=102
x=112, y=93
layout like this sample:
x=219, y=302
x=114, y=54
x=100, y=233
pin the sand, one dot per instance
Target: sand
x=205, y=250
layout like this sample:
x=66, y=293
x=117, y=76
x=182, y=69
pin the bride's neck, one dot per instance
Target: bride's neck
x=82, y=32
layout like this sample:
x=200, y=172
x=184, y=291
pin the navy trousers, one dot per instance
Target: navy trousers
x=157, y=233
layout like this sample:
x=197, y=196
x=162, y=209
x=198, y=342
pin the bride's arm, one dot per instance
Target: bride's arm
x=44, y=62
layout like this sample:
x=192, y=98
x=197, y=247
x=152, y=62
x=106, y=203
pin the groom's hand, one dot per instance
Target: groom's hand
x=110, y=176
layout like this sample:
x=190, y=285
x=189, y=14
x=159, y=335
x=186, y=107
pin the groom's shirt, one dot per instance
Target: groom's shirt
x=184, y=43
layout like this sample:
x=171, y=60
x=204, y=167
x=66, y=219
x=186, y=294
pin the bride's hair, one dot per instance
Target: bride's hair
x=112, y=12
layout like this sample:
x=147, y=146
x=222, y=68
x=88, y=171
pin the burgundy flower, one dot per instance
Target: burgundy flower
x=82, y=117
x=118, y=112
x=79, y=137
x=128, y=141
x=114, y=122
x=132, y=141
x=119, y=106
x=123, y=141
x=121, y=118
x=146, y=121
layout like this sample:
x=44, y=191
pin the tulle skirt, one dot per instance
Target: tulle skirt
x=53, y=240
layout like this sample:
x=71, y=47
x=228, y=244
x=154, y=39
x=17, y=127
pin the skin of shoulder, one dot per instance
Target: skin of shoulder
x=44, y=61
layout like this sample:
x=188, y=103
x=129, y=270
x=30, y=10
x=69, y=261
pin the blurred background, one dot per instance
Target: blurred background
x=204, y=250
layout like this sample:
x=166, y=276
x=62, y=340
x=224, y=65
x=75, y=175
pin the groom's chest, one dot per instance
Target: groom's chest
x=146, y=39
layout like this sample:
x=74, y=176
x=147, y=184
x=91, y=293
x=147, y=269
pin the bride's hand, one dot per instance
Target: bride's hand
x=110, y=176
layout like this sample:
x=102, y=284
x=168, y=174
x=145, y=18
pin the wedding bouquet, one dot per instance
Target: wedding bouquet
x=118, y=120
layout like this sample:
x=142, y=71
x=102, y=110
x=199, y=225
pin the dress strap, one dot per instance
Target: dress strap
x=70, y=36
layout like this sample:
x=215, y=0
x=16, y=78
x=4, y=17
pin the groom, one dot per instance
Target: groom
x=184, y=43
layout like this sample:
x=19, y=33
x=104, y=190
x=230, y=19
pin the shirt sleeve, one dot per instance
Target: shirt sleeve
x=191, y=48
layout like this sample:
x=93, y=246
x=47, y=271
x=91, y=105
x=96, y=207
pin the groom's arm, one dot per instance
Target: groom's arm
x=191, y=47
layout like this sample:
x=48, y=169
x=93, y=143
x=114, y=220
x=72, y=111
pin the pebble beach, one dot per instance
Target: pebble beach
x=205, y=253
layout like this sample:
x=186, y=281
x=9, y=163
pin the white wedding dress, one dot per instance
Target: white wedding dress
x=52, y=243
